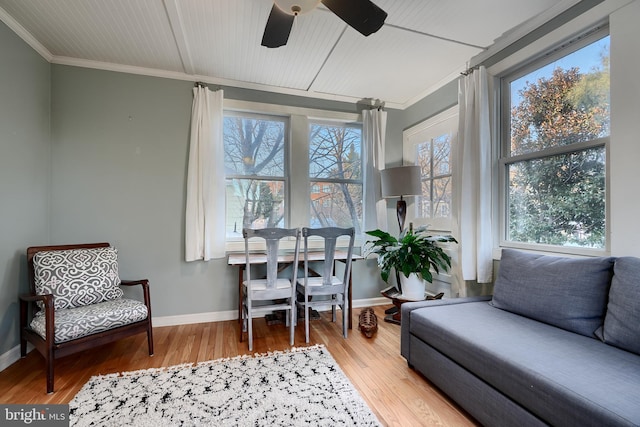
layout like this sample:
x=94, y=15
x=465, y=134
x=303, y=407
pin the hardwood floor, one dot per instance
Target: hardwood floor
x=398, y=395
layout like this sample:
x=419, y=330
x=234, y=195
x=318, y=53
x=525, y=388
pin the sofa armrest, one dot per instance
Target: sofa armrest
x=408, y=307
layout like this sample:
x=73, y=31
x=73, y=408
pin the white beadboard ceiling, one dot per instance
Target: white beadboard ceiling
x=423, y=44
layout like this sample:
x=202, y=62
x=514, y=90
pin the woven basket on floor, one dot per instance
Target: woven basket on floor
x=368, y=322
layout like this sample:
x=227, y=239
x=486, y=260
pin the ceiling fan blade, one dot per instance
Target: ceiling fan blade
x=279, y=24
x=362, y=15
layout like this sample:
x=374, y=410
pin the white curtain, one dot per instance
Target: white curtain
x=205, y=210
x=473, y=190
x=374, y=128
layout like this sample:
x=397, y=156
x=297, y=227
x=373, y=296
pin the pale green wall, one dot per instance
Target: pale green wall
x=119, y=155
x=24, y=171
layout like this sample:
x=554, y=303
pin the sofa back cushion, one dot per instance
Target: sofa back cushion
x=77, y=277
x=622, y=322
x=570, y=293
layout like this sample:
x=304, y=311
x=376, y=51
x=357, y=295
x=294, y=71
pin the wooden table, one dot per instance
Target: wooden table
x=238, y=259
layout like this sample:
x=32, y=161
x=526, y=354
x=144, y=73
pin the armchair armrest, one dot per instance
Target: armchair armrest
x=145, y=291
x=46, y=298
x=49, y=313
x=143, y=282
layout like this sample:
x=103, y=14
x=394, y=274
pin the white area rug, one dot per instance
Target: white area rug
x=303, y=386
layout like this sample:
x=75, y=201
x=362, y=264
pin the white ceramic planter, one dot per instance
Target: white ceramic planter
x=412, y=287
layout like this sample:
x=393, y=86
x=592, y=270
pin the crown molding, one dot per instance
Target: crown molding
x=25, y=35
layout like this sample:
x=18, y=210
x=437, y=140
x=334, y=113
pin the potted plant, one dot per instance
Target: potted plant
x=413, y=254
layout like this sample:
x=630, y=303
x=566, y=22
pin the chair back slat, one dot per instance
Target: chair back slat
x=272, y=238
x=330, y=235
x=329, y=257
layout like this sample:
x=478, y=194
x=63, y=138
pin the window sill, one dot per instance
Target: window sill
x=571, y=252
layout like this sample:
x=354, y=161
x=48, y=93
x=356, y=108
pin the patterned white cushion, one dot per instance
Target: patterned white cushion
x=78, y=322
x=77, y=277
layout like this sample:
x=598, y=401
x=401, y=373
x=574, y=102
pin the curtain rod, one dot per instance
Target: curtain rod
x=203, y=84
x=470, y=70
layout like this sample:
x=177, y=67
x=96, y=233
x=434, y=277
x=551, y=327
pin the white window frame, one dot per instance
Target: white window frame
x=298, y=192
x=441, y=123
x=556, y=51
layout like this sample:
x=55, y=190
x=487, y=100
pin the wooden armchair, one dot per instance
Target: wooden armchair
x=76, y=302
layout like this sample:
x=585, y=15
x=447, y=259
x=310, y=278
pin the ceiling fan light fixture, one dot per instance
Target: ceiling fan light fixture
x=296, y=7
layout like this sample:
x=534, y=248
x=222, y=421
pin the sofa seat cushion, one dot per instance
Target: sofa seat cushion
x=73, y=323
x=561, y=377
x=570, y=293
x=77, y=277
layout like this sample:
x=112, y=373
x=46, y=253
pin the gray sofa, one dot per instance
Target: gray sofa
x=558, y=343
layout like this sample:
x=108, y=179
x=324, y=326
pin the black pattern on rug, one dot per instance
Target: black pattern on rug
x=304, y=386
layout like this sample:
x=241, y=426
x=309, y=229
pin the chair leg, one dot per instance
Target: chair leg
x=243, y=323
x=306, y=324
x=292, y=323
x=250, y=330
x=345, y=319
x=150, y=339
x=333, y=308
x=49, y=362
x=23, y=325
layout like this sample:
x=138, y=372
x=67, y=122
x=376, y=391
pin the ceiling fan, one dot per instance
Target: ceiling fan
x=362, y=15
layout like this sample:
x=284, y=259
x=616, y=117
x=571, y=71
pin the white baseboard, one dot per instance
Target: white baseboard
x=9, y=358
x=218, y=316
x=187, y=319
x=13, y=355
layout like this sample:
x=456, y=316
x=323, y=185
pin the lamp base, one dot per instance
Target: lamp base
x=401, y=212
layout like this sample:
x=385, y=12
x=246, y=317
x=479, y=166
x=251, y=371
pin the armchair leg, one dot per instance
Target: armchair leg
x=50, y=374
x=23, y=324
x=150, y=340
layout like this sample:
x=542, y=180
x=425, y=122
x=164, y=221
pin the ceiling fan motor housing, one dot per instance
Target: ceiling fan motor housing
x=296, y=7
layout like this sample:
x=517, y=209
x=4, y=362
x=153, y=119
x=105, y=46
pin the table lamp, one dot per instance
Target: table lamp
x=398, y=182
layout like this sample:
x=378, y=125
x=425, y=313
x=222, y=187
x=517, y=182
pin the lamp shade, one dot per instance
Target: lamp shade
x=401, y=181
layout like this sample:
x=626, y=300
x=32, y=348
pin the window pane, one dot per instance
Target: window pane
x=254, y=204
x=341, y=206
x=558, y=200
x=423, y=202
x=423, y=159
x=442, y=197
x=335, y=152
x=440, y=205
x=562, y=103
x=335, y=162
x=254, y=146
x=442, y=155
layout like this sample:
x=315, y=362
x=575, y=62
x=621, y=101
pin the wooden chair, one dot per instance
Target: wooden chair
x=71, y=308
x=272, y=293
x=325, y=283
